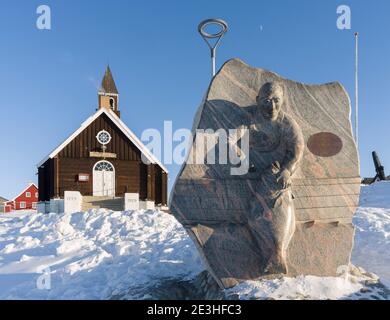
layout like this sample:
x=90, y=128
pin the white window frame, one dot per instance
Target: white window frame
x=36, y=195
x=34, y=205
x=22, y=205
x=28, y=194
x=109, y=137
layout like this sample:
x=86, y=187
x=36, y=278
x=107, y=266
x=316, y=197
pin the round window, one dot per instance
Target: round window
x=103, y=137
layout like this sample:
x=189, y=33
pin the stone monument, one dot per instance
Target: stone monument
x=286, y=207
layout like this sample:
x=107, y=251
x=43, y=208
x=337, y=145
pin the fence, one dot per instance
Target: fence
x=17, y=205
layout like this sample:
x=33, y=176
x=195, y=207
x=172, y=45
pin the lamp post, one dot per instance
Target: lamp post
x=357, y=89
x=208, y=36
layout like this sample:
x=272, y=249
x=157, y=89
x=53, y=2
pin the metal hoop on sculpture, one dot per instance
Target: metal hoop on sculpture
x=206, y=35
x=208, y=22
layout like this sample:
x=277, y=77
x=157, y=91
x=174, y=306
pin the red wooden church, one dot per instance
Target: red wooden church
x=103, y=158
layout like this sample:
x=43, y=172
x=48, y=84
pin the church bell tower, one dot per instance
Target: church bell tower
x=108, y=94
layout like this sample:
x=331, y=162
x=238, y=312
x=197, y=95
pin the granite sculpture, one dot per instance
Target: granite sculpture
x=291, y=211
x=276, y=148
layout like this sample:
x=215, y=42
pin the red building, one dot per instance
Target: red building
x=27, y=199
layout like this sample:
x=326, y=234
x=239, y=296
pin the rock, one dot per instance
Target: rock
x=245, y=224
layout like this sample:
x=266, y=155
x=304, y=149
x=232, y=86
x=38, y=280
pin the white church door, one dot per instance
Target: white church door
x=103, y=179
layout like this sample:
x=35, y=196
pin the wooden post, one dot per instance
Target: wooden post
x=164, y=181
x=41, y=184
x=153, y=182
x=149, y=182
x=56, y=177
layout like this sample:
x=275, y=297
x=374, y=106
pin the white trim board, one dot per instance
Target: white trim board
x=120, y=124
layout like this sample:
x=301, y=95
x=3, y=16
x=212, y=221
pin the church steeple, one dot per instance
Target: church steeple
x=108, y=93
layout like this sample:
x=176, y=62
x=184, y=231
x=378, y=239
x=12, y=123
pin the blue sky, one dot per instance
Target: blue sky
x=49, y=79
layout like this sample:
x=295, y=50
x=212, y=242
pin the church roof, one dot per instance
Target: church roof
x=108, y=83
x=120, y=124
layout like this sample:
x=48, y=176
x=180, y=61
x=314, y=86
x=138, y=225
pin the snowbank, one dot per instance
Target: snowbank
x=91, y=255
x=372, y=235
x=353, y=285
x=102, y=254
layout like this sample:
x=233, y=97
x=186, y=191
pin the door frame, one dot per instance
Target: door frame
x=114, y=177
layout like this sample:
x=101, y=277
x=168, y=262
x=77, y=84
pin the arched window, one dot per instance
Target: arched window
x=112, y=103
x=103, y=166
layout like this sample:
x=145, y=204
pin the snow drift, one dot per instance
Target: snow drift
x=91, y=255
x=101, y=254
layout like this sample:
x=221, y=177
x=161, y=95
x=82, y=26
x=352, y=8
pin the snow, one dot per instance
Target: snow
x=301, y=287
x=102, y=254
x=91, y=255
x=372, y=235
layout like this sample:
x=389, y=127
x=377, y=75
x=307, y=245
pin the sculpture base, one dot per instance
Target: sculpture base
x=321, y=249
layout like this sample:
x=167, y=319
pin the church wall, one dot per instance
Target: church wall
x=131, y=175
x=86, y=142
x=127, y=176
x=46, y=181
x=79, y=156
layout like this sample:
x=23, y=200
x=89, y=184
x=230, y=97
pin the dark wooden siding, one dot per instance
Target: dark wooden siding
x=143, y=181
x=158, y=184
x=131, y=175
x=46, y=175
x=164, y=188
x=127, y=175
x=86, y=141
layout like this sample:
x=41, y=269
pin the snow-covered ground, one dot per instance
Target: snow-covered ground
x=91, y=255
x=102, y=254
x=356, y=284
x=372, y=237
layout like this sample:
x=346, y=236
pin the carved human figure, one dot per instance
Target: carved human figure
x=276, y=147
